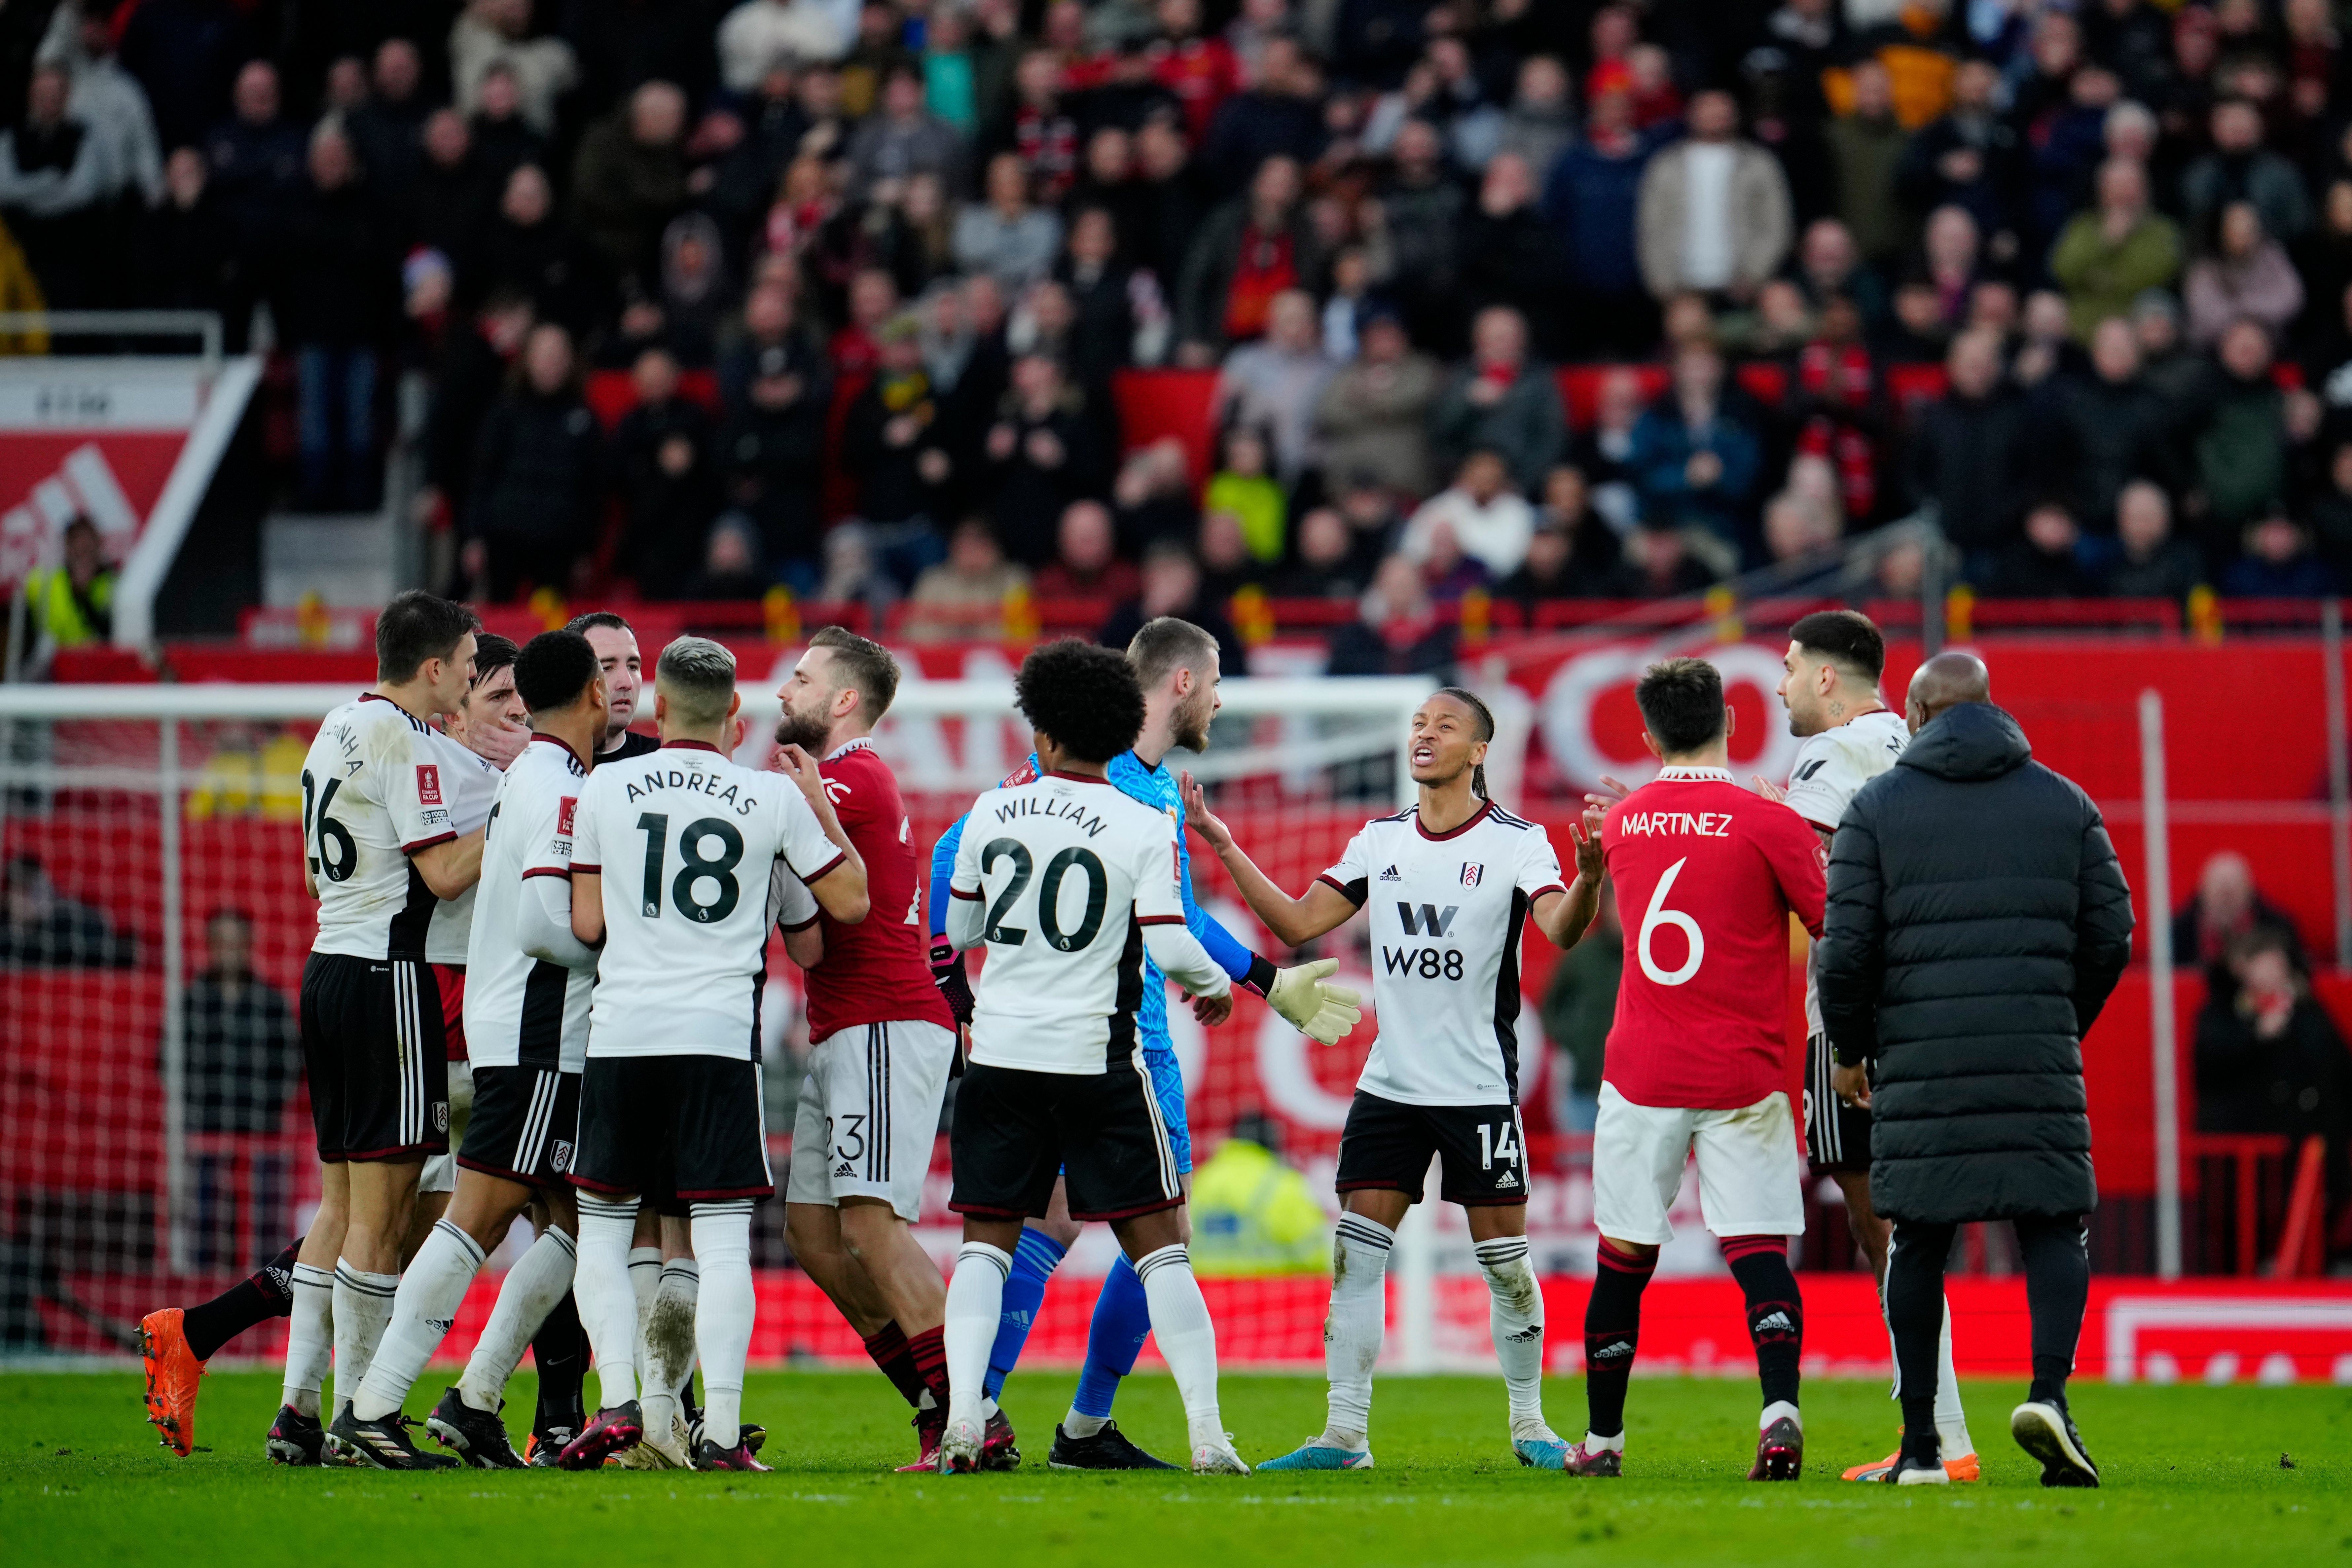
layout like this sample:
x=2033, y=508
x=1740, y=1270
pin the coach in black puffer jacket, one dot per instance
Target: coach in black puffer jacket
x=1977, y=921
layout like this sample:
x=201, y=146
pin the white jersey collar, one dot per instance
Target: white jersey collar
x=846, y=747
x=1693, y=775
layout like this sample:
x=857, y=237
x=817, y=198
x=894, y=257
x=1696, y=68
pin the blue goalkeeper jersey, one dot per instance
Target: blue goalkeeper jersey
x=1155, y=788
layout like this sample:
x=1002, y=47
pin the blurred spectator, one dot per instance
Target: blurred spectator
x=1172, y=586
x=184, y=54
x=2246, y=273
x=1512, y=255
x=72, y=603
x=387, y=131
x=537, y=495
x=52, y=190
x=630, y=178
x=1036, y=126
x=2047, y=563
x=2227, y=906
x=1966, y=158
x=1592, y=195
x=731, y=563
x=335, y=308
x=669, y=482
x=1419, y=222
x=1244, y=487
x=1715, y=213
x=1502, y=403
x=1227, y=565
x=1275, y=385
x=1605, y=452
x=852, y=571
x=258, y=167
x=1398, y=630
x=1487, y=519
x=184, y=258
x=1153, y=497
x=451, y=196
x=1253, y=1214
x=2269, y=1057
x=1796, y=529
x=2106, y=429
x=1118, y=316
x=963, y=596
x=2277, y=562
x=1172, y=203
x=1967, y=450
x=895, y=437
x=1044, y=452
x=1567, y=507
x=1249, y=251
x=108, y=101
x=2330, y=512
x=504, y=139
x=243, y=1053
x=2237, y=437
x=1004, y=236
x=1866, y=147
x=1085, y=563
x=758, y=33
x=492, y=34
x=2105, y=256
x=2149, y=563
x=1657, y=563
x=1373, y=413
x=1580, y=1004
x=42, y=928
x=2240, y=168
x=1694, y=461
x=1324, y=564
x=1277, y=115
x=528, y=249
x=1540, y=124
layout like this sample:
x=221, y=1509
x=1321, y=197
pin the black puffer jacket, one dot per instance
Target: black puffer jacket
x=1976, y=923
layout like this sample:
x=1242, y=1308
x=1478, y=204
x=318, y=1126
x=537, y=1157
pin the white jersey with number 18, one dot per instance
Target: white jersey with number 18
x=1446, y=911
x=686, y=842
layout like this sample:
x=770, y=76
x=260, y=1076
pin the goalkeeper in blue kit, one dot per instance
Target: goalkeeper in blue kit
x=1177, y=665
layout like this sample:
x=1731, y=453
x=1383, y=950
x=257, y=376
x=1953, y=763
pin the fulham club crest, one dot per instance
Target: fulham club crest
x=1471, y=871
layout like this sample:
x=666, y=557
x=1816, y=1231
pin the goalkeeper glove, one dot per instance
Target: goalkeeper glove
x=946, y=973
x=1312, y=1004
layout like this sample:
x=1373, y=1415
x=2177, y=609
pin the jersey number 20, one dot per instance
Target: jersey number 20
x=1049, y=895
x=655, y=824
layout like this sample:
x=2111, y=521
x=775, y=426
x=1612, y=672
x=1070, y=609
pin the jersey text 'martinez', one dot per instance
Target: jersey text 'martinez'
x=1706, y=824
x=1031, y=806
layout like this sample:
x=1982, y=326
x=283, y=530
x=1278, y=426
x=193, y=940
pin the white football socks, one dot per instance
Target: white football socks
x=600, y=1289
x=423, y=1308
x=1187, y=1339
x=669, y=1331
x=1515, y=1316
x=530, y=1292
x=1353, y=1329
x=975, y=1305
x=362, y=1312
x=722, y=1318
x=310, y=1336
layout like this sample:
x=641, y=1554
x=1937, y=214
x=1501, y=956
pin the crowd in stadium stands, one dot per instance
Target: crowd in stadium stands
x=2072, y=282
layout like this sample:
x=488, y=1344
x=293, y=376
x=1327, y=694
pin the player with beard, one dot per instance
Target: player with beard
x=1177, y=665
x=881, y=1039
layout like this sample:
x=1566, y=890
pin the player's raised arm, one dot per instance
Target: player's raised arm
x=835, y=872
x=1294, y=922
x=1564, y=916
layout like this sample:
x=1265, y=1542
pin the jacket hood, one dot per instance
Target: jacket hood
x=1969, y=743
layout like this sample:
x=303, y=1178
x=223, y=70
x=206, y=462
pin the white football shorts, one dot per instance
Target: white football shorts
x=1748, y=1182
x=870, y=1115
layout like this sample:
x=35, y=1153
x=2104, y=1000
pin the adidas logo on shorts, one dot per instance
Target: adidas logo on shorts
x=1507, y=1180
x=845, y=1169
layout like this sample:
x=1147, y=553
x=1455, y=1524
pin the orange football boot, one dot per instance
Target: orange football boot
x=1963, y=1469
x=173, y=1373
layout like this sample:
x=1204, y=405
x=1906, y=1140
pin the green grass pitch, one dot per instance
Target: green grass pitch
x=2193, y=1475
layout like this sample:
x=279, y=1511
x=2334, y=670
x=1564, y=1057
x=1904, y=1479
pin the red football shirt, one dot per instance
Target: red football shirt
x=878, y=971
x=1706, y=875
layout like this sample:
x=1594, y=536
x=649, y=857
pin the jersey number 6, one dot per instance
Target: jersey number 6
x=1659, y=915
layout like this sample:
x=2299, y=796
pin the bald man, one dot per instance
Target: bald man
x=1976, y=923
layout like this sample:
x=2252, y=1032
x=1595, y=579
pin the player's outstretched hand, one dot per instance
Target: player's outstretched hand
x=1211, y=1011
x=1585, y=833
x=1311, y=1004
x=1610, y=793
x=801, y=768
x=1767, y=789
x=495, y=739
x=1204, y=821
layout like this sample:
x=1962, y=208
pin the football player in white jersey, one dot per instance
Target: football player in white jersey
x=1069, y=881
x=380, y=852
x=672, y=870
x=1448, y=887
x=1834, y=660
x=525, y=1020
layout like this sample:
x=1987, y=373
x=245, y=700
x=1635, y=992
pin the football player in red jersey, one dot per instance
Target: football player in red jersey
x=1707, y=876
x=881, y=1040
